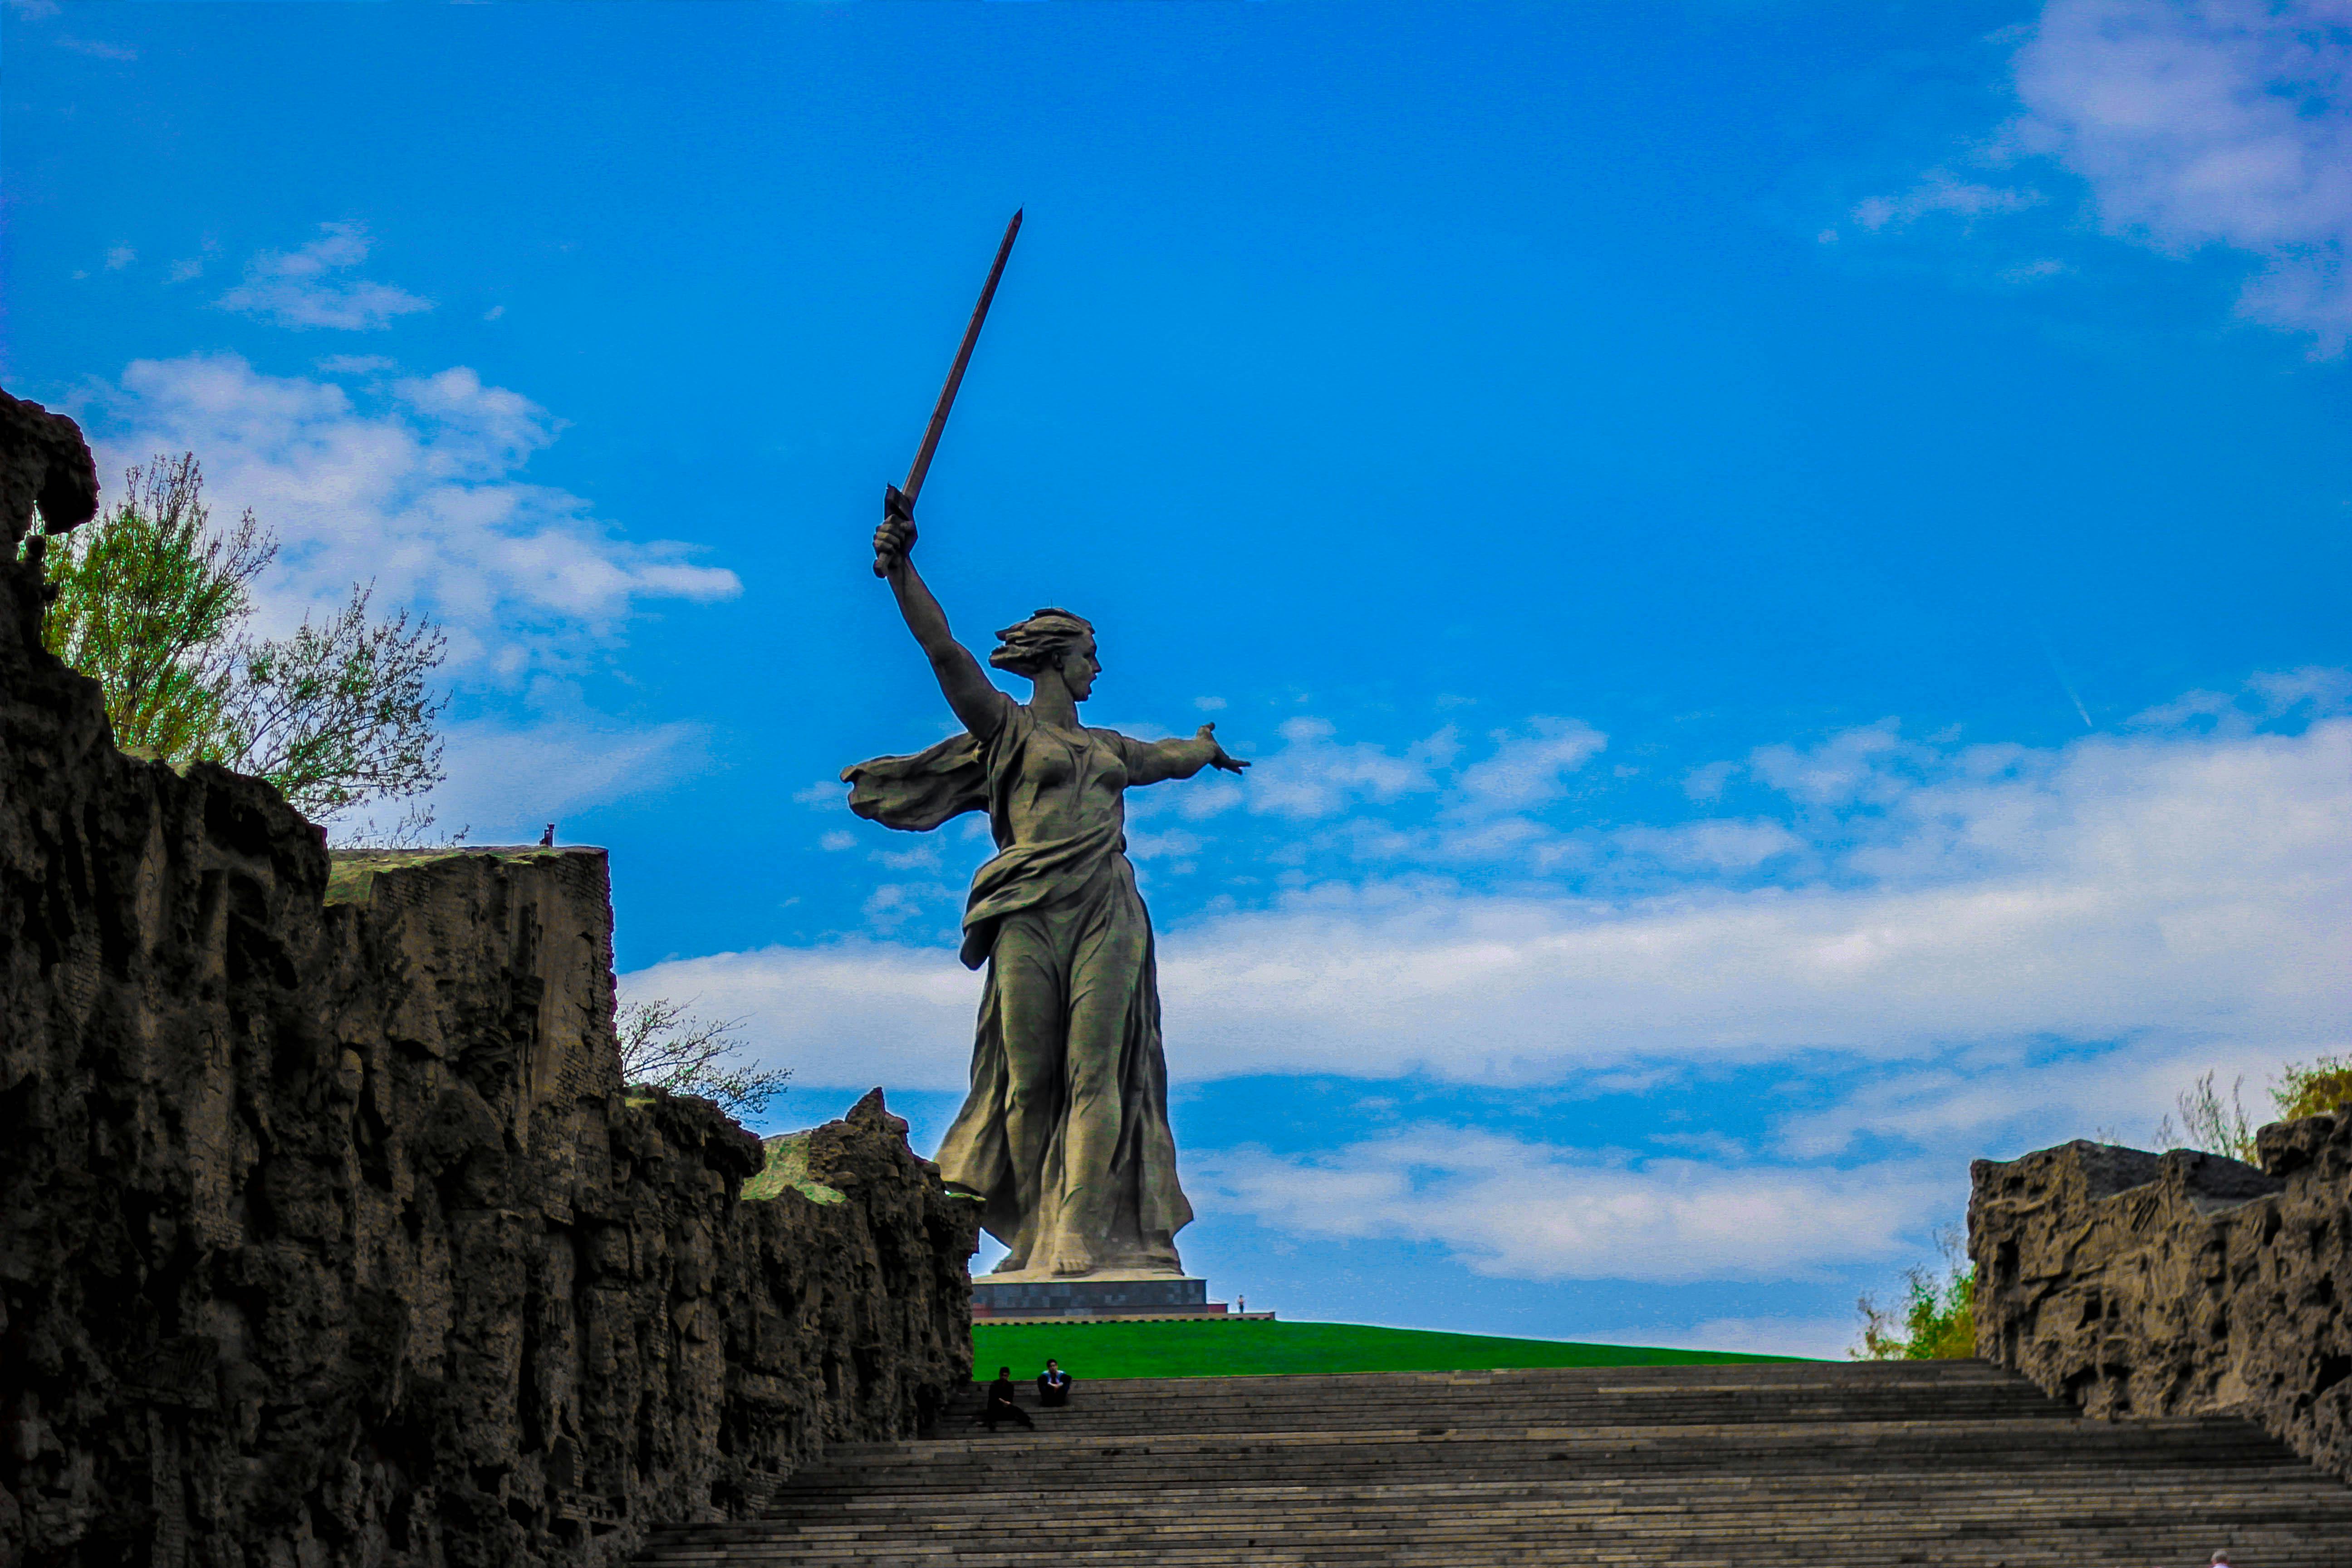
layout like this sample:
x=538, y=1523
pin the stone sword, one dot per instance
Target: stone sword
x=899, y=501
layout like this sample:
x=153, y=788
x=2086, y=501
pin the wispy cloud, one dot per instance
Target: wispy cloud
x=1941, y=194
x=1530, y=768
x=505, y=780
x=2185, y=886
x=416, y=486
x=1315, y=775
x=1821, y=1339
x=120, y=257
x=97, y=48
x=2191, y=123
x=2209, y=122
x=2039, y=271
x=851, y=1014
x=1718, y=844
x=302, y=288
x=1526, y=1210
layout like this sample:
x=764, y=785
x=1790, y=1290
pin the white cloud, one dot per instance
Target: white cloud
x=2042, y=270
x=1314, y=776
x=120, y=257
x=1837, y=771
x=1819, y=1339
x=2185, y=887
x=419, y=492
x=299, y=288
x=1940, y=193
x=1972, y=1098
x=505, y=781
x=2197, y=886
x=1205, y=798
x=1716, y=844
x=852, y=1014
x=97, y=48
x=1173, y=843
x=2209, y=122
x=1523, y=1210
x=1706, y=783
x=1530, y=768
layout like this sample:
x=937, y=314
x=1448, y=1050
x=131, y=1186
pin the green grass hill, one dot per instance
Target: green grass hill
x=1255, y=1347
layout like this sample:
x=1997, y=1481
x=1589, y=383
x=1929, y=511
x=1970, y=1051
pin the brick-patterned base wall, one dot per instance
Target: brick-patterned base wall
x=327, y=1235
x=2136, y=1284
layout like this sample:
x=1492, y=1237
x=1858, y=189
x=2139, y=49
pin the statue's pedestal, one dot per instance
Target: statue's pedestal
x=997, y=1297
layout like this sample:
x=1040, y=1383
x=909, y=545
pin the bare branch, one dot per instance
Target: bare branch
x=664, y=1047
x=339, y=714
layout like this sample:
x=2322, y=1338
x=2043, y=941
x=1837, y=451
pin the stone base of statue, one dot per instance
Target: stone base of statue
x=997, y=1297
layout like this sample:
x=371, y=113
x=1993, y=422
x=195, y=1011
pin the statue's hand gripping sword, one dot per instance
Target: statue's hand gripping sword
x=899, y=501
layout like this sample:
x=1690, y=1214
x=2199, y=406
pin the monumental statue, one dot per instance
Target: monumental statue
x=1065, y=1135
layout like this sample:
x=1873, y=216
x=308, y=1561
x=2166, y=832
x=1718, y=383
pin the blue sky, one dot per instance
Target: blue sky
x=1785, y=566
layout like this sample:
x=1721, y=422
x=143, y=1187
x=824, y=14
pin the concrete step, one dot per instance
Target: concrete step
x=1862, y=1466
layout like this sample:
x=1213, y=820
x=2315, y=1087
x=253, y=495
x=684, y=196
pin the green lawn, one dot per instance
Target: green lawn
x=1250, y=1347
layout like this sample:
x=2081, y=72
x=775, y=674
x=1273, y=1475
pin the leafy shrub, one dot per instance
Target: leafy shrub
x=1935, y=1319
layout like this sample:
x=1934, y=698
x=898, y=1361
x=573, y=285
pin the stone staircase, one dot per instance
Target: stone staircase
x=1834, y=1466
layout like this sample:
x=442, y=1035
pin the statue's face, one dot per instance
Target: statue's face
x=1079, y=667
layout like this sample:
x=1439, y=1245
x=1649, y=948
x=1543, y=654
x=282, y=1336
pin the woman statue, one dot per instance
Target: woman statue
x=1065, y=1135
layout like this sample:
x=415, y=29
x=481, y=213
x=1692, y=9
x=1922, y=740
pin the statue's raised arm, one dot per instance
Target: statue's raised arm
x=976, y=702
x=1065, y=1135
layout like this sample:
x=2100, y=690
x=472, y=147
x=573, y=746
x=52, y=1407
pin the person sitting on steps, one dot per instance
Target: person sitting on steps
x=1053, y=1385
x=1000, y=1406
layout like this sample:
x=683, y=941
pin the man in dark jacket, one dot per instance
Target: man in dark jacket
x=1053, y=1385
x=999, y=1406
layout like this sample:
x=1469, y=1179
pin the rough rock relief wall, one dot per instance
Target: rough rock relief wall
x=2137, y=1284
x=327, y=1234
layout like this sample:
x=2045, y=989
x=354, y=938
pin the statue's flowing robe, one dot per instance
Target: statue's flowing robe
x=1075, y=898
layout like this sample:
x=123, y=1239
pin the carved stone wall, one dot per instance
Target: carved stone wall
x=328, y=1236
x=2137, y=1284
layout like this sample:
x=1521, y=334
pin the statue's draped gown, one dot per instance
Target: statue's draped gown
x=1068, y=1066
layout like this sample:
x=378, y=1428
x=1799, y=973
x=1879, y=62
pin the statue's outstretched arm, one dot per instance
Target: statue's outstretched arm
x=1151, y=761
x=969, y=691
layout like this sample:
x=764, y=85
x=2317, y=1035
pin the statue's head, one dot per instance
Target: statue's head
x=1052, y=640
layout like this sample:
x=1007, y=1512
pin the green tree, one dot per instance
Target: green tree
x=664, y=1047
x=153, y=602
x=1935, y=1319
x=2316, y=1089
x=149, y=600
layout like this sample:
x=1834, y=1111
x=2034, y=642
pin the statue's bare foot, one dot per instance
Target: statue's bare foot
x=1011, y=1263
x=1070, y=1256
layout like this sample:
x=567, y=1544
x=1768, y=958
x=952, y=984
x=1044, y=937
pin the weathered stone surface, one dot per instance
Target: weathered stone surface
x=327, y=1234
x=2137, y=1284
x=43, y=462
